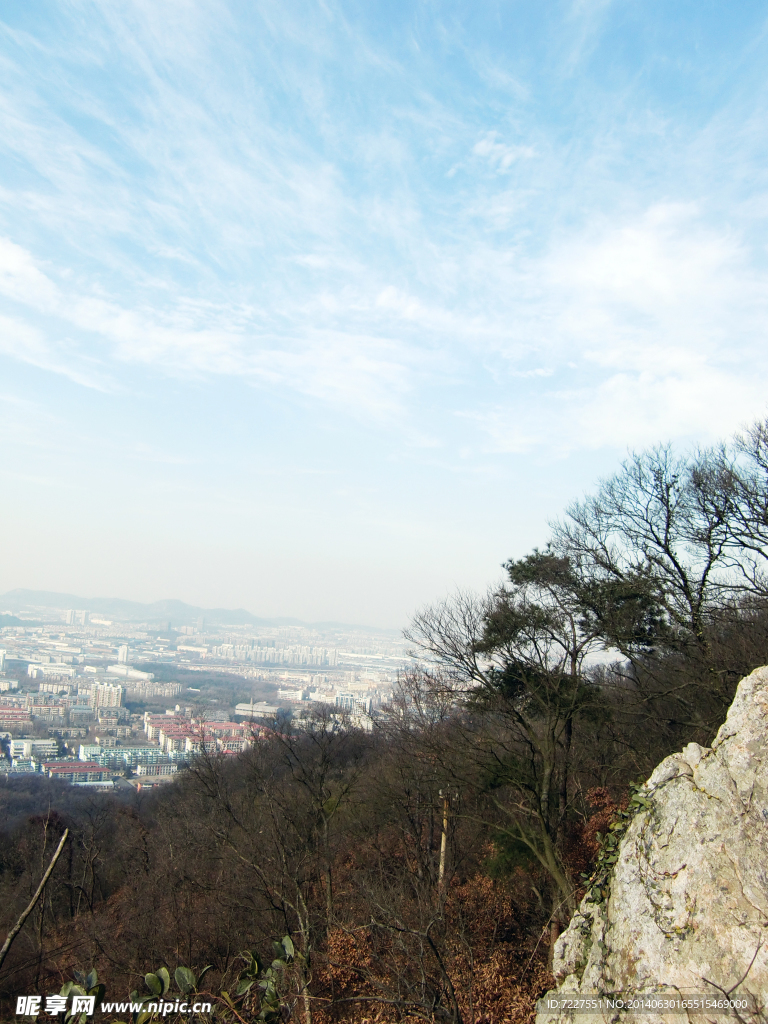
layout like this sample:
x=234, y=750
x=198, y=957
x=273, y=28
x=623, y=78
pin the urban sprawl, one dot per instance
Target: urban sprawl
x=94, y=702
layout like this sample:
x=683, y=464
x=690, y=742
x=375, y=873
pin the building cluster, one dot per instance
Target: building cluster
x=180, y=733
x=173, y=739
x=300, y=708
x=64, y=687
x=274, y=654
x=35, y=755
x=141, y=690
x=65, y=706
x=269, y=654
x=72, y=703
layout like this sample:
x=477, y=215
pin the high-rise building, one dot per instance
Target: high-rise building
x=2, y=659
x=354, y=702
x=106, y=695
x=71, y=617
x=122, y=654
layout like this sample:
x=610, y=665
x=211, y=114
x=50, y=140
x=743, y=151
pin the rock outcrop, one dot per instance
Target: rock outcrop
x=688, y=903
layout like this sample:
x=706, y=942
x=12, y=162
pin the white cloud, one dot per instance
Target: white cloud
x=27, y=344
x=20, y=278
x=355, y=371
x=662, y=320
x=215, y=239
x=499, y=155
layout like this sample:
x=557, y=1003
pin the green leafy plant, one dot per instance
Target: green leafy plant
x=271, y=1006
x=254, y=979
x=598, y=883
x=83, y=985
x=159, y=985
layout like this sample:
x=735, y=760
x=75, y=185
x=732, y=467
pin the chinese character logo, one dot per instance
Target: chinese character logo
x=83, y=1004
x=28, y=1006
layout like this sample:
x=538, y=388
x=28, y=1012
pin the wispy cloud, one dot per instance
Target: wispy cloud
x=222, y=211
x=500, y=155
x=243, y=247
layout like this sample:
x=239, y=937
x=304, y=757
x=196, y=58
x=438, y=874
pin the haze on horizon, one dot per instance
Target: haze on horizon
x=322, y=309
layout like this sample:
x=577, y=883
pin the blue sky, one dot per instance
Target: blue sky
x=324, y=309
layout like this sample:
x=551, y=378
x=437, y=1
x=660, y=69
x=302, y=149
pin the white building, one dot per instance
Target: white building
x=106, y=695
x=54, y=688
x=354, y=702
x=2, y=659
x=157, y=769
x=34, y=748
x=129, y=673
x=35, y=670
x=89, y=750
x=291, y=694
x=322, y=696
x=122, y=654
x=364, y=722
x=259, y=710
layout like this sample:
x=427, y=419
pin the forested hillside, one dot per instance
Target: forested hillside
x=424, y=870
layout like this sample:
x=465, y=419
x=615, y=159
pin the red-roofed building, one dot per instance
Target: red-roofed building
x=80, y=771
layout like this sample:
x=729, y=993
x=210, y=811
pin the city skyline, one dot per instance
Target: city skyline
x=324, y=310
x=87, y=700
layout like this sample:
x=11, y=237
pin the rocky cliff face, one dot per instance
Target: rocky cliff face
x=688, y=903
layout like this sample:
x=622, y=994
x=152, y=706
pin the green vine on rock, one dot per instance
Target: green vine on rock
x=599, y=882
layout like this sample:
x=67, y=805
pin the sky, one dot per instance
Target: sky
x=325, y=309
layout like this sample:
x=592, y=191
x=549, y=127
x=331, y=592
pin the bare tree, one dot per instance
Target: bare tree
x=515, y=663
x=657, y=527
x=32, y=903
x=277, y=812
x=741, y=476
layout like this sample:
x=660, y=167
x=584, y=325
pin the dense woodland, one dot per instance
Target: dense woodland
x=422, y=871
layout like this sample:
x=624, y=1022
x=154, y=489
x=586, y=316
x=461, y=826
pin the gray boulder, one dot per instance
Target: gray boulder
x=688, y=905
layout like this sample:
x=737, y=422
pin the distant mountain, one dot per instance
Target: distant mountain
x=127, y=611
x=176, y=612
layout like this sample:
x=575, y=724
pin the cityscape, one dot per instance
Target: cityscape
x=97, y=702
x=384, y=578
